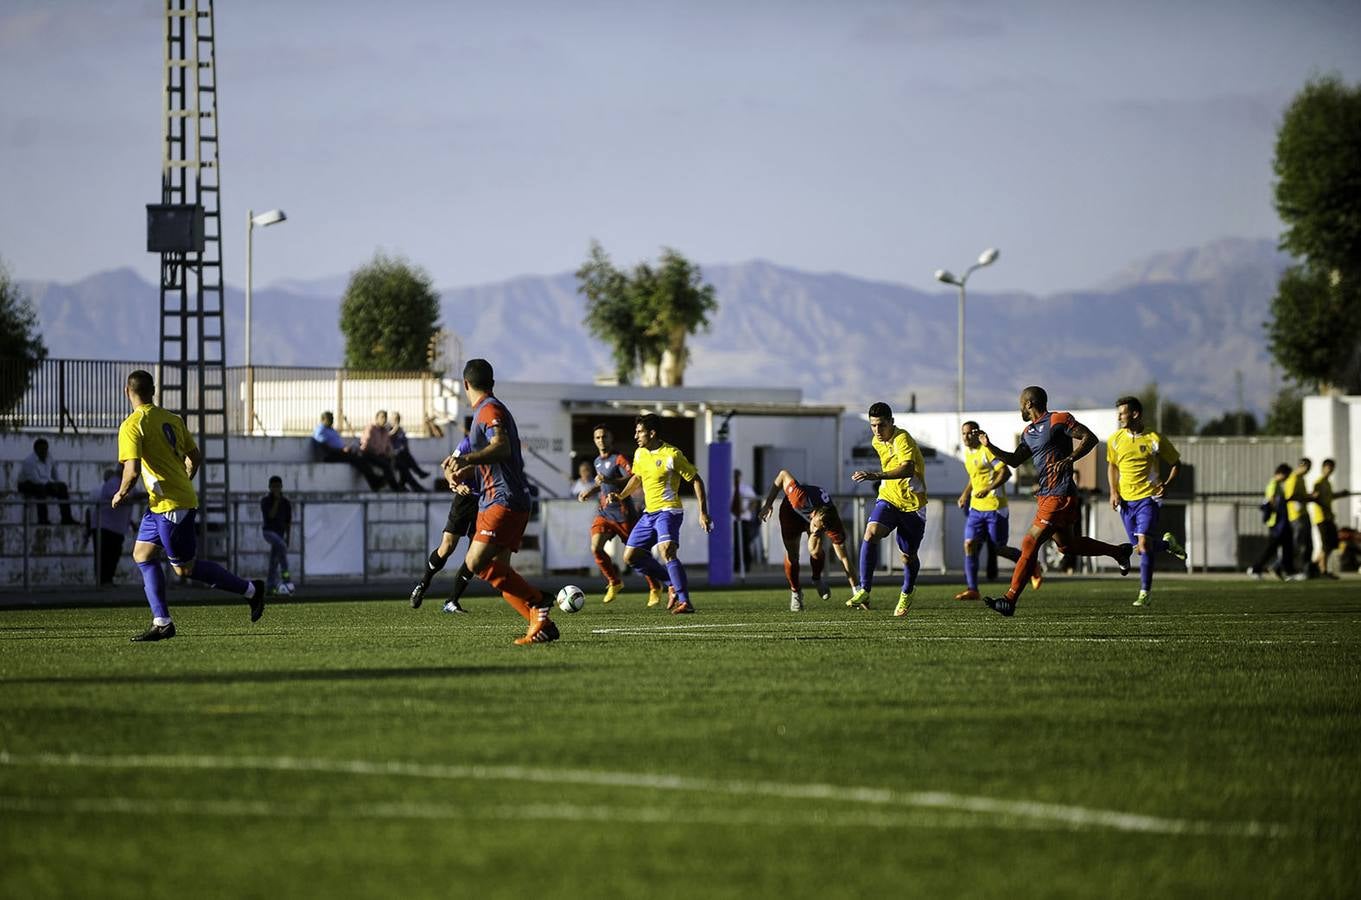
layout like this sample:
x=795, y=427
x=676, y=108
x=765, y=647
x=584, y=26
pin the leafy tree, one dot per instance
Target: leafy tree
x=611, y=313
x=1234, y=422
x=21, y=346
x=389, y=316
x=1286, y=416
x=1165, y=416
x=1315, y=329
x=647, y=315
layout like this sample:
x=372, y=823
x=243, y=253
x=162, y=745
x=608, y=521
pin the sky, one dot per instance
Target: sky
x=483, y=141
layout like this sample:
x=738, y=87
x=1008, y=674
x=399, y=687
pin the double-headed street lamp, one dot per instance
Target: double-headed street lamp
x=273, y=217
x=986, y=258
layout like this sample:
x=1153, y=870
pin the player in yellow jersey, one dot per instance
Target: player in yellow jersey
x=1321, y=511
x=1297, y=500
x=659, y=468
x=989, y=518
x=901, y=506
x=1134, y=458
x=154, y=444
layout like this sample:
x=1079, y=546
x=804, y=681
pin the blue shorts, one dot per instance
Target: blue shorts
x=177, y=538
x=993, y=525
x=1140, y=516
x=910, y=526
x=658, y=527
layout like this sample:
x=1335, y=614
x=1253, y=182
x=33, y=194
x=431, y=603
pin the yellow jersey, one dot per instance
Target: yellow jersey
x=661, y=471
x=1137, y=457
x=1296, y=496
x=908, y=494
x=982, y=467
x=159, y=440
x=1322, y=510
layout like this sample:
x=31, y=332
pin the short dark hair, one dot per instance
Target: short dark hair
x=478, y=373
x=327, y=414
x=602, y=427
x=1329, y=462
x=1134, y=404
x=40, y=442
x=275, y=479
x=880, y=410
x=1037, y=396
x=650, y=422
x=1284, y=469
x=967, y=423
x=142, y=384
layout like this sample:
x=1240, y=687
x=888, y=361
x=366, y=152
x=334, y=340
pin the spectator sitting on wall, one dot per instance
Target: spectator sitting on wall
x=331, y=447
x=376, y=448
x=37, y=482
x=402, y=459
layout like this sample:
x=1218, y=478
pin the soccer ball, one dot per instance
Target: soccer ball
x=571, y=599
x=283, y=589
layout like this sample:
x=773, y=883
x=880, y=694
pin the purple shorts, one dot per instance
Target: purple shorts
x=656, y=528
x=177, y=539
x=993, y=525
x=909, y=526
x=1140, y=516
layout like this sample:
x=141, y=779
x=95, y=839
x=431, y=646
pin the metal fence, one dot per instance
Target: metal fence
x=84, y=396
x=380, y=537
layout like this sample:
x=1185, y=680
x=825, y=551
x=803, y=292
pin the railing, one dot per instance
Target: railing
x=83, y=396
x=376, y=537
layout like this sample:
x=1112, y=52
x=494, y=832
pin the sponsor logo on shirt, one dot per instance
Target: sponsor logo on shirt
x=486, y=531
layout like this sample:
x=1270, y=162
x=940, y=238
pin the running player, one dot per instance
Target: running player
x=807, y=509
x=658, y=469
x=901, y=507
x=460, y=523
x=504, y=503
x=1049, y=439
x=989, y=519
x=1133, y=455
x=612, y=520
x=154, y=444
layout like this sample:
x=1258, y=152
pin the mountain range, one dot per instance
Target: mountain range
x=1189, y=320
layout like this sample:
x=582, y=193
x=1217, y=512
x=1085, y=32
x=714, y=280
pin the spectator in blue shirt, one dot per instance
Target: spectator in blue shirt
x=329, y=446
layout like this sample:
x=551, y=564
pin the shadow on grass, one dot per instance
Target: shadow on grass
x=287, y=675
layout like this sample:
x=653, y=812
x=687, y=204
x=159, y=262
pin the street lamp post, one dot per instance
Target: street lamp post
x=986, y=258
x=273, y=217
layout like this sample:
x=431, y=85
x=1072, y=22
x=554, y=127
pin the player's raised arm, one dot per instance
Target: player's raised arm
x=1013, y=458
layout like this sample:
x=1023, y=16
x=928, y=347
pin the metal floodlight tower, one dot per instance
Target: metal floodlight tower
x=986, y=258
x=185, y=229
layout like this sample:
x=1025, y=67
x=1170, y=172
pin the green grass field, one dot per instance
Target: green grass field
x=1206, y=745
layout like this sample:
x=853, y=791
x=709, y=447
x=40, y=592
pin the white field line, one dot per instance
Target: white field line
x=695, y=630
x=1034, y=814
x=565, y=812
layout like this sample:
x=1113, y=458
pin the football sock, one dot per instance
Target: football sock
x=161, y=621
x=815, y=563
x=1146, y=570
x=910, y=573
x=1029, y=550
x=791, y=573
x=1085, y=546
x=153, y=580
x=432, y=566
x=678, y=580
x=512, y=585
x=461, y=581
x=646, y=564
x=607, y=566
x=213, y=575
x=971, y=571
x=869, y=558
